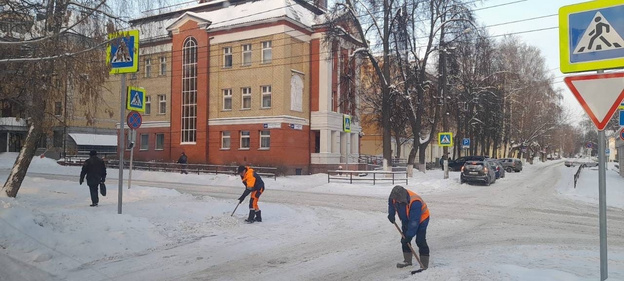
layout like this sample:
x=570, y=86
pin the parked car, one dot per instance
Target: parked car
x=457, y=164
x=478, y=171
x=575, y=162
x=512, y=164
x=500, y=169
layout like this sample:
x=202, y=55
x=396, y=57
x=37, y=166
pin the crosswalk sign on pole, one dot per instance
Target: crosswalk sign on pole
x=445, y=139
x=591, y=36
x=136, y=99
x=122, y=53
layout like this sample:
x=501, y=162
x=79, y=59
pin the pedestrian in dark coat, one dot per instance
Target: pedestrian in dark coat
x=183, y=160
x=95, y=170
x=414, y=215
x=254, y=185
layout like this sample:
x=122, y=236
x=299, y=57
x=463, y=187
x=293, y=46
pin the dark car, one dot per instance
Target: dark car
x=512, y=164
x=478, y=171
x=457, y=164
x=500, y=169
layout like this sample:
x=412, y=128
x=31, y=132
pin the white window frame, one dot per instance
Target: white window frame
x=163, y=66
x=227, y=95
x=148, y=105
x=266, y=94
x=266, y=135
x=162, y=104
x=188, y=130
x=226, y=135
x=162, y=144
x=227, y=52
x=267, y=51
x=245, y=135
x=144, y=145
x=148, y=67
x=245, y=94
x=246, y=50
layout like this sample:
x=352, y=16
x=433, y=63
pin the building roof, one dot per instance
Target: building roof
x=94, y=139
x=229, y=15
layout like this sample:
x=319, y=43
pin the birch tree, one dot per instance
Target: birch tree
x=59, y=44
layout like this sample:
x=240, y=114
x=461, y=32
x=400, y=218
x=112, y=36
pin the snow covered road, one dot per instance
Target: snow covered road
x=519, y=228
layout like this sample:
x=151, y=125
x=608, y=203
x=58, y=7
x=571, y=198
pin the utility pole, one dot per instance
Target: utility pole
x=442, y=91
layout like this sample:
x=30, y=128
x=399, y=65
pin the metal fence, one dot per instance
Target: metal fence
x=374, y=176
x=578, y=174
x=176, y=167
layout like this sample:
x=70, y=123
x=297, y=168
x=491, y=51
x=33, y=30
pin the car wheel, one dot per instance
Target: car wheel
x=509, y=170
x=487, y=182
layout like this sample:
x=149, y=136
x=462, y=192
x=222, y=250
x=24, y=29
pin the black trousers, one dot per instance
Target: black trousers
x=421, y=239
x=94, y=193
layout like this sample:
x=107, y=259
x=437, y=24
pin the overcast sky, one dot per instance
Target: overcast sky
x=540, y=17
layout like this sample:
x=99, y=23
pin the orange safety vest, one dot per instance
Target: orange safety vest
x=424, y=210
x=249, y=179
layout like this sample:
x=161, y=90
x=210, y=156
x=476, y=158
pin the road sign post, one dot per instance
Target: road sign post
x=445, y=139
x=591, y=39
x=134, y=121
x=122, y=56
x=591, y=36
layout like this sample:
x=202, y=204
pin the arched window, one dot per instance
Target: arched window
x=189, y=91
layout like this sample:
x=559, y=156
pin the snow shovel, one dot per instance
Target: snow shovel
x=235, y=209
x=414, y=253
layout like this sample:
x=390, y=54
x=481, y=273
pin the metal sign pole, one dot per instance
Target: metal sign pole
x=121, y=140
x=132, y=132
x=602, y=203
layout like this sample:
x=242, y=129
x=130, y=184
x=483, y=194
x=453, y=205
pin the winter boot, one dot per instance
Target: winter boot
x=259, y=216
x=250, y=219
x=424, y=259
x=407, y=260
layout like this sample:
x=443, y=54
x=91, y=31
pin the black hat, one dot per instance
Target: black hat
x=92, y=153
x=241, y=169
x=399, y=194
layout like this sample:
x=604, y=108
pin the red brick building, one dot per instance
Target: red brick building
x=247, y=82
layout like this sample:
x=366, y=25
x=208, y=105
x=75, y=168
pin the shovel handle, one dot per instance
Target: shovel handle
x=410, y=246
x=235, y=209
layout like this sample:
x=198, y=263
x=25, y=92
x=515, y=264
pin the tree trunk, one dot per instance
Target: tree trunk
x=14, y=181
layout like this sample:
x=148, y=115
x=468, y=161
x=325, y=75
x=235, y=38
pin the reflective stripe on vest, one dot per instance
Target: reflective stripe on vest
x=424, y=210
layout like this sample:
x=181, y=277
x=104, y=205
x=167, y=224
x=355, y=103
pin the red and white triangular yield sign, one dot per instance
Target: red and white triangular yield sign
x=599, y=94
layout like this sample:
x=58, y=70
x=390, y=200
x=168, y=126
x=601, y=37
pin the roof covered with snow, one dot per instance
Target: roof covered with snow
x=94, y=139
x=223, y=14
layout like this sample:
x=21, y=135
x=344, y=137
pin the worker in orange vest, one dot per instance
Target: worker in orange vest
x=414, y=216
x=254, y=185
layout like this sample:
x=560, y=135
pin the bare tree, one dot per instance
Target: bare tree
x=59, y=47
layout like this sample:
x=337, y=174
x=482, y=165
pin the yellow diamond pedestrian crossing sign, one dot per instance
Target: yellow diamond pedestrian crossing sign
x=136, y=99
x=445, y=139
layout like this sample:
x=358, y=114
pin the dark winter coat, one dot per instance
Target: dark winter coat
x=95, y=170
x=183, y=159
x=411, y=214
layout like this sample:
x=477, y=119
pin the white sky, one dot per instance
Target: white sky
x=532, y=225
x=547, y=40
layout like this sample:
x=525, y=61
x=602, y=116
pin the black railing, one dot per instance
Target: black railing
x=578, y=173
x=177, y=168
x=373, y=176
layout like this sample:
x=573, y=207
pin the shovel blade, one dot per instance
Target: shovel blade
x=417, y=270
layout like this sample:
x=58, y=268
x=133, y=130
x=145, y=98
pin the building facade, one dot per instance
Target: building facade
x=249, y=83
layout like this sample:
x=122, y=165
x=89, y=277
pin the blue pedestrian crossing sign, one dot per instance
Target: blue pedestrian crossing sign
x=621, y=117
x=346, y=123
x=122, y=53
x=445, y=139
x=591, y=36
x=465, y=143
x=136, y=99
